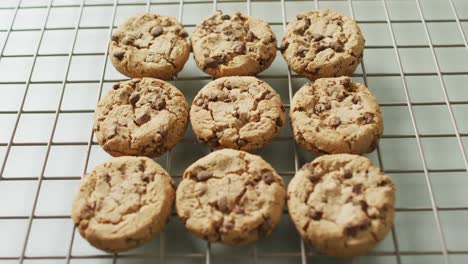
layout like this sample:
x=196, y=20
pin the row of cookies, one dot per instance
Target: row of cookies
x=341, y=204
x=316, y=44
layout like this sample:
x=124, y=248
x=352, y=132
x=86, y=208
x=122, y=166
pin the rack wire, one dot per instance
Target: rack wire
x=437, y=204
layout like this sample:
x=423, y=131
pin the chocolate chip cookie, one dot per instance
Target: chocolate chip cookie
x=342, y=204
x=228, y=45
x=323, y=43
x=123, y=203
x=336, y=115
x=140, y=117
x=150, y=45
x=238, y=112
x=230, y=196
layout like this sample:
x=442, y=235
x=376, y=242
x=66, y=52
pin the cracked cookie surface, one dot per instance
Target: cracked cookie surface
x=342, y=204
x=140, y=117
x=322, y=43
x=336, y=115
x=123, y=203
x=230, y=196
x=238, y=112
x=149, y=45
x=228, y=45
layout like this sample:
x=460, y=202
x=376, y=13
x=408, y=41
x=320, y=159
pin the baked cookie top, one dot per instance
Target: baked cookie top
x=237, y=112
x=227, y=45
x=342, y=204
x=150, y=45
x=336, y=115
x=230, y=196
x=322, y=43
x=123, y=202
x=143, y=117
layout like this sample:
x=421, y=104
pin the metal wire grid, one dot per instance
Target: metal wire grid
x=303, y=251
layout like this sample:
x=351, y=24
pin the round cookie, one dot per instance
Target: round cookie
x=123, y=203
x=140, y=117
x=149, y=45
x=237, y=112
x=336, y=115
x=228, y=45
x=342, y=204
x=230, y=196
x=322, y=43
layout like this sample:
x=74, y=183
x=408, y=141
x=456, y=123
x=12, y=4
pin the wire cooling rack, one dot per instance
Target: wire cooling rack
x=54, y=67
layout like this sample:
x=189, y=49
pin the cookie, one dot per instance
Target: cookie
x=230, y=196
x=228, y=45
x=336, y=115
x=140, y=117
x=123, y=203
x=237, y=112
x=341, y=204
x=149, y=45
x=322, y=43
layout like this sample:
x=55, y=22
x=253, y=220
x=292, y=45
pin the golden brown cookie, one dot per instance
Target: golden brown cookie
x=230, y=196
x=237, y=112
x=140, y=117
x=149, y=45
x=336, y=115
x=228, y=45
x=342, y=204
x=123, y=203
x=323, y=43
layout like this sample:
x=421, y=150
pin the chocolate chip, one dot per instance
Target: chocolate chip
x=213, y=141
x=348, y=175
x=204, y=175
x=136, y=80
x=183, y=33
x=300, y=16
x=334, y=121
x=222, y=204
x=227, y=32
x=336, y=46
x=211, y=62
x=107, y=177
x=357, y=188
x=239, y=48
x=301, y=51
x=134, y=99
x=241, y=142
x=143, y=119
x=250, y=36
x=346, y=82
x=363, y=205
x=213, y=97
x=279, y=122
x=200, y=102
x=316, y=36
x=115, y=36
x=156, y=31
x=116, y=86
x=225, y=17
x=319, y=47
x=284, y=45
x=128, y=40
x=383, y=183
x=368, y=118
x=159, y=104
x=147, y=177
x=356, y=99
x=268, y=177
x=314, y=178
x=119, y=54
x=315, y=215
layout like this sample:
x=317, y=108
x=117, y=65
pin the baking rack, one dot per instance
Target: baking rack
x=423, y=148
